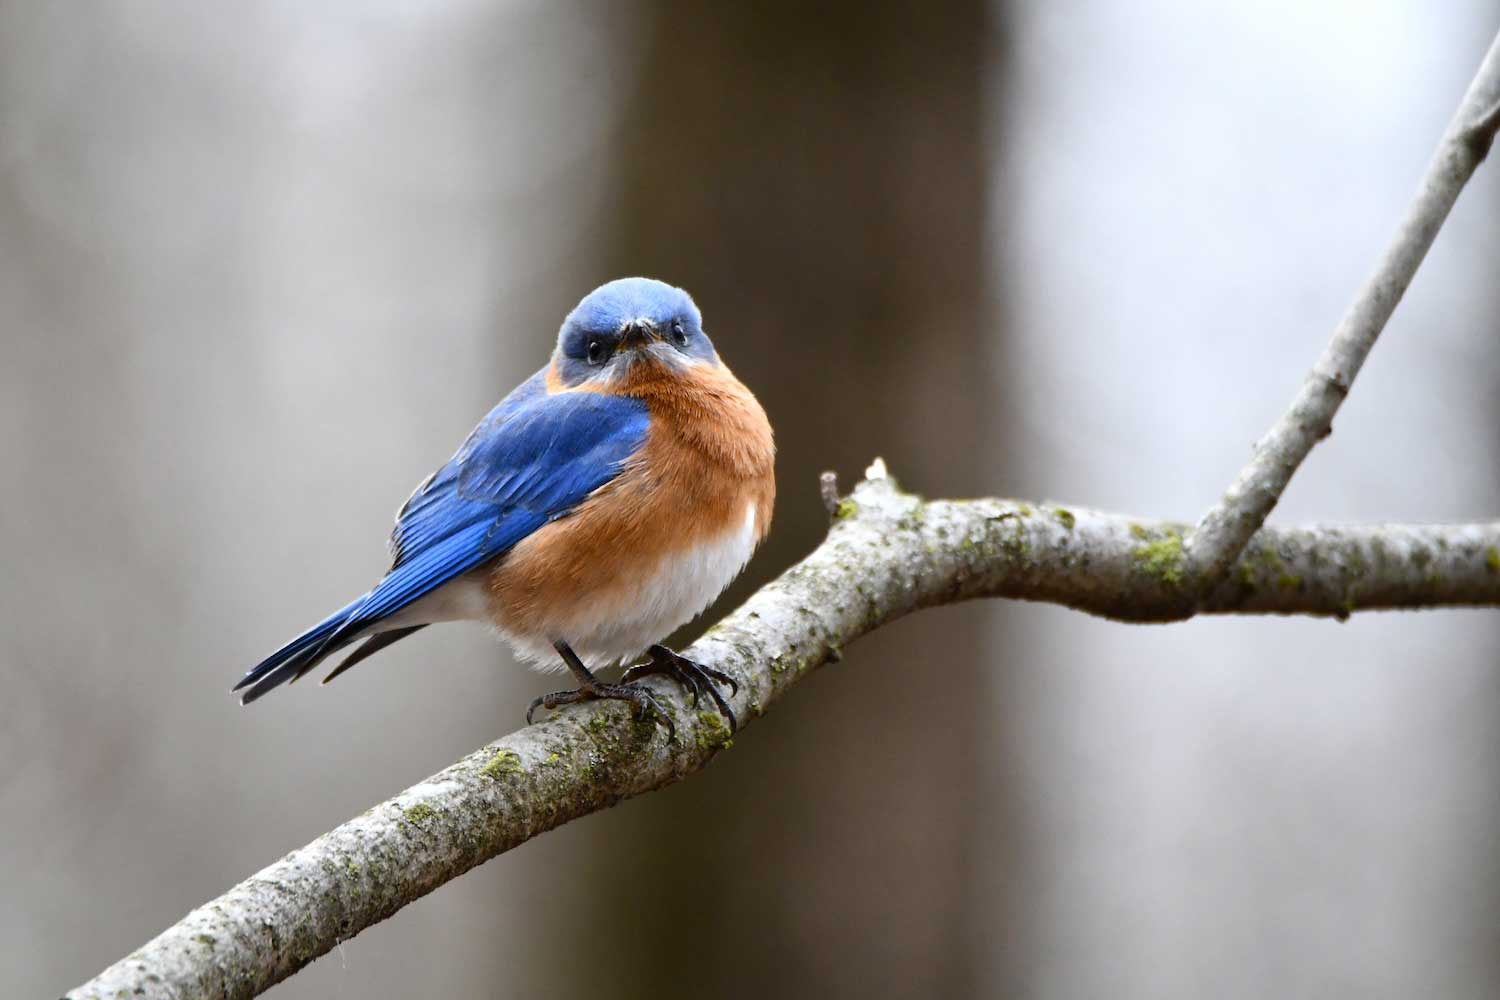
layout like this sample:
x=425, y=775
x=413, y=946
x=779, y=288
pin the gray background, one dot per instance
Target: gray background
x=263, y=265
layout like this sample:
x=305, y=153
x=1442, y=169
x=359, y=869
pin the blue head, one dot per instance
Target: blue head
x=628, y=322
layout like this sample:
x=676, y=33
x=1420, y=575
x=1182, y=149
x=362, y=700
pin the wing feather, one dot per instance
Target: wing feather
x=533, y=459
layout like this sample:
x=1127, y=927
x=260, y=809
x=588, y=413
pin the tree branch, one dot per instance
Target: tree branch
x=1228, y=525
x=888, y=553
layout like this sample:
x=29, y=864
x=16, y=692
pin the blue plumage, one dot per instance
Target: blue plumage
x=533, y=459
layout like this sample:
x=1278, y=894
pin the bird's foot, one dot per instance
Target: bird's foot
x=637, y=694
x=695, y=677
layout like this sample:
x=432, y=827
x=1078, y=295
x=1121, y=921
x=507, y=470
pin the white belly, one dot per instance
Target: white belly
x=663, y=598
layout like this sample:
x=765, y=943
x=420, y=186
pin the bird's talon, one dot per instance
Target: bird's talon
x=693, y=676
x=723, y=678
x=725, y=710
x=671, y=726
x=692, y=683
x=645, y=704
x=643, y=701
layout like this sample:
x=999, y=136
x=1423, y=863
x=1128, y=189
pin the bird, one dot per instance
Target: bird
x=602, y=504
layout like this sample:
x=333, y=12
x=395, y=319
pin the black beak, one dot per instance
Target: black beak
x=638, y=333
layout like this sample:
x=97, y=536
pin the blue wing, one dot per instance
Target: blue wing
x=533, y=459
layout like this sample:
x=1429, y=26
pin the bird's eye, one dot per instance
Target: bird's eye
x=679, y=335
x=598, y=352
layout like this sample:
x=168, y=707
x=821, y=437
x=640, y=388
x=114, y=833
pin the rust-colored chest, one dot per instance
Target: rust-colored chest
x=703, y=481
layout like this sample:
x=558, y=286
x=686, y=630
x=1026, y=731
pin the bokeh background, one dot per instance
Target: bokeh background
x=263, y=265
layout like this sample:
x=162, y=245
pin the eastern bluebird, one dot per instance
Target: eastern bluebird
x=603, y=503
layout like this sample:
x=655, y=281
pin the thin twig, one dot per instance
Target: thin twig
x=887, y=554
x=1227, y=526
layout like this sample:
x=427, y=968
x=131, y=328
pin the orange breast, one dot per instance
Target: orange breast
x=707, y=457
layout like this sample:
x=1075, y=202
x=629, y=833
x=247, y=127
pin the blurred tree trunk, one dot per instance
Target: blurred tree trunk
x=818, y=181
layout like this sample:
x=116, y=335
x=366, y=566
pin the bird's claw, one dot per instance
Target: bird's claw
x=637, y=694
x=695, y=677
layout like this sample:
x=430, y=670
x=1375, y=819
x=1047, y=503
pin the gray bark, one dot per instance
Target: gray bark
x=888, y=553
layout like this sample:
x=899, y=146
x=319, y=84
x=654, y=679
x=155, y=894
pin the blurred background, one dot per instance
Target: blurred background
x=263, y=265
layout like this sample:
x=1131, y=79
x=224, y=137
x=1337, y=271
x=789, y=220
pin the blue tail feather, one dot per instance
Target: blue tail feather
x=298, y=656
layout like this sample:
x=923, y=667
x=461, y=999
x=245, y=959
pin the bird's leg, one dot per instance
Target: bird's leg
x=694, y=676
x=590, y=688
